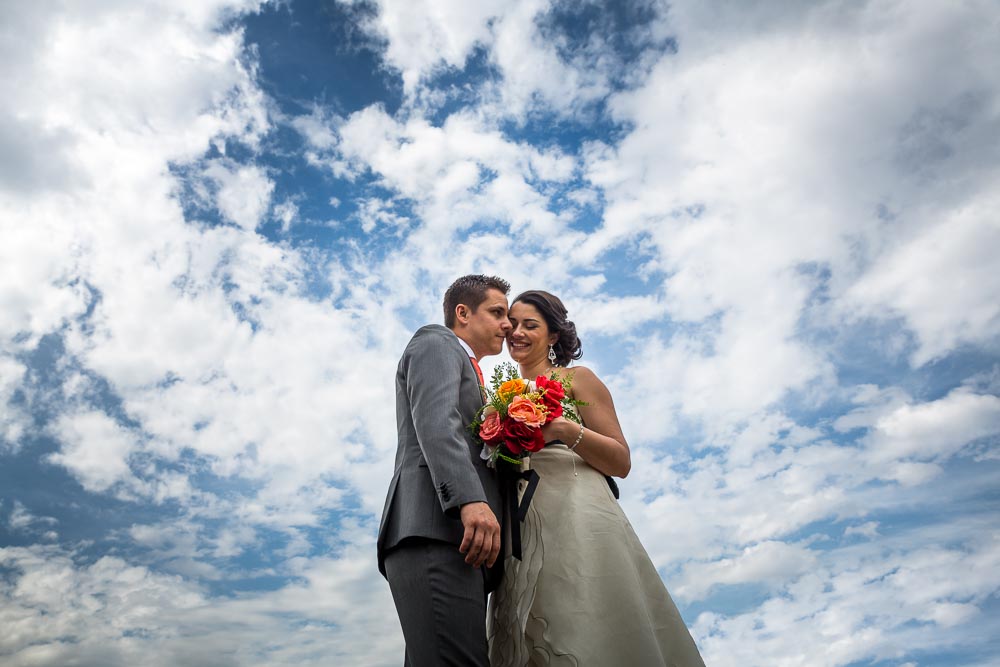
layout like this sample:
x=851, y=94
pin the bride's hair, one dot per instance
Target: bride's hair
x=568, y=346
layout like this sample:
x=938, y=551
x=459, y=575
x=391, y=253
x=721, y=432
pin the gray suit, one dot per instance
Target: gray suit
x=441, y=601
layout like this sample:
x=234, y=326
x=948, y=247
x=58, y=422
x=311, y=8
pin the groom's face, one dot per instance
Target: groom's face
x=488, y=325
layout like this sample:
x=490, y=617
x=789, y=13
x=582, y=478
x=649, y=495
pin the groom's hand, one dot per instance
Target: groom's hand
x=481, y=542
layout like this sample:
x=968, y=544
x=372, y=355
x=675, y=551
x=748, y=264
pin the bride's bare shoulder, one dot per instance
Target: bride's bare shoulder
x=577, y=374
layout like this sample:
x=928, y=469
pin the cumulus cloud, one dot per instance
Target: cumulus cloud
x=183, y=322
x=440, y=165
x=109, y=612
x=13, y=421
x=539, y=65
x=775, y=239
x=244, y=193
x=943, y=282
x=868, y=529
x=23, y=521
x=424, y=37
x=768, y=563
x=861, y=605
x=936, y=429
x=712, y=174
x=95, y=448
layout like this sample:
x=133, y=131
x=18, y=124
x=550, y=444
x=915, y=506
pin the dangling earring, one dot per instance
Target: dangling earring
x=552, y=355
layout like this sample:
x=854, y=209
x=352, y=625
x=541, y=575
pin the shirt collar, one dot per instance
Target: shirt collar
x=465, y=346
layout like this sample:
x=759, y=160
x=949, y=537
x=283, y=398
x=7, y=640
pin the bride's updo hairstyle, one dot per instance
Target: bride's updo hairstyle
x=567, y=347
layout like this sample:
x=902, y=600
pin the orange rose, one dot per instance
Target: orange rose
x=489, y=430
x=525, y=411
x=511, y=388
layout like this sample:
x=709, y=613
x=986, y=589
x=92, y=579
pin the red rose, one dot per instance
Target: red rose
x=537, y=442
x=552, y=395
x=514, y=430
x=518, y=436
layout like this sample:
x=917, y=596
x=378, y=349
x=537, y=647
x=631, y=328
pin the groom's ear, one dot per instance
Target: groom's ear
x=462, y=313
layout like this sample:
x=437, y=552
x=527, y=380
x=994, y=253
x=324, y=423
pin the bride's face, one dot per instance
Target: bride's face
x=528, y=342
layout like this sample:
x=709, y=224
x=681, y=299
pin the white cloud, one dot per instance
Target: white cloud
x=375, y=212
x=773, y=187
x=532, y=67
x=287, y=211
x=874, y=403
x=770, y=563
x=936, y=429
x=868, y=529
x=758, y=188
x=244, y=193
x=863, y=604
x=422, y=161
x=456, y=176
x=425, y=37
x=38, y=266
x=110, y=612
x=14, y=421
x=769, y=478
x=190, y=326
x=944, y=281
x=318, y=128
x=23, y=520
x=540, y=66
x=121, y=128
x=94, y=448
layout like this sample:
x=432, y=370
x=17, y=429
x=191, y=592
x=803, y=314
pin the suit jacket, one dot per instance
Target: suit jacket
x=438, y=468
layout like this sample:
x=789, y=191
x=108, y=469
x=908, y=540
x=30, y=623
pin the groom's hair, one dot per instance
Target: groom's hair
x=470, y=290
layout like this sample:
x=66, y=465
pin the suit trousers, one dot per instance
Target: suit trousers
x=441, y=603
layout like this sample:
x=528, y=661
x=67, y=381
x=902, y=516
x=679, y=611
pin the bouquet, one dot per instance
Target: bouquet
x=510, y=423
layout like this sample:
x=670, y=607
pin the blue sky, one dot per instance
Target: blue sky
x=775, y=224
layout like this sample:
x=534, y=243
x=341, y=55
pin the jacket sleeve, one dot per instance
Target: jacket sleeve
x=433, y=371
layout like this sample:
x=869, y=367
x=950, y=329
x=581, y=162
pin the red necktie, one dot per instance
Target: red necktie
x=479, y=371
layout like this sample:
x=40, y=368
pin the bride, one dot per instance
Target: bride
x=585, y=592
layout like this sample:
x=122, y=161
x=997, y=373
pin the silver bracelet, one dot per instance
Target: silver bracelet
x=578, y=439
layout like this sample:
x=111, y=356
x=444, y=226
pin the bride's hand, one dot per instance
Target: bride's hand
x=560, y=428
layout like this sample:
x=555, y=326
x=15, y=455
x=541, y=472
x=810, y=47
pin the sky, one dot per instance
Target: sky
x=776, y=225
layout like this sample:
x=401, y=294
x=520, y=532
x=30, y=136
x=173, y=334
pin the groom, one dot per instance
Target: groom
x=439, y=526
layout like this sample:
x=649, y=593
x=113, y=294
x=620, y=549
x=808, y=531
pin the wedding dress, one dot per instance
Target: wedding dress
x=585, y=592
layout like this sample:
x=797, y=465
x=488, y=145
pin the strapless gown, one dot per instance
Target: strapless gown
x=585, y=592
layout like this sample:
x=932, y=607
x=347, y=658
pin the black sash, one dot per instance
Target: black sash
x=517, y=511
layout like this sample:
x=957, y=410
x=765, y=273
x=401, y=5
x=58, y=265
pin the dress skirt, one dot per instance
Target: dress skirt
x=585, y=592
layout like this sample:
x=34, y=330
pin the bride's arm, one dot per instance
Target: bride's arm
x=603, y=444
